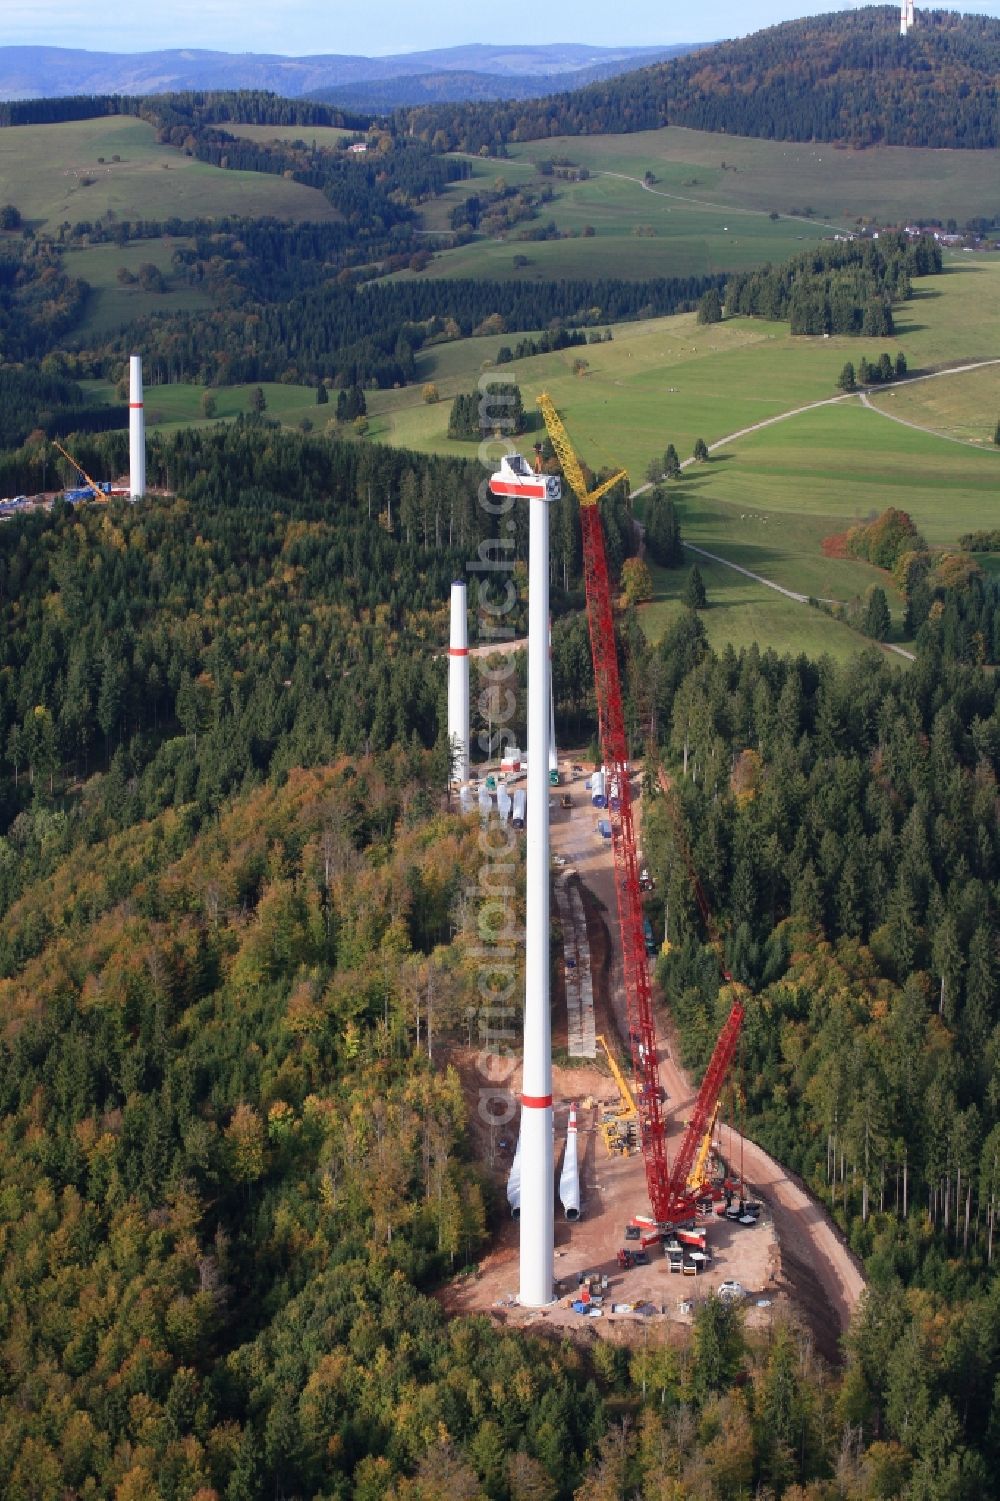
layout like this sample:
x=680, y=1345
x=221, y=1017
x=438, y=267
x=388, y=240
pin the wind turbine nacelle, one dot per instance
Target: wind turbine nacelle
x=516, y=478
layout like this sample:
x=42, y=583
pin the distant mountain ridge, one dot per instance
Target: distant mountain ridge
x=492, y=72
x=446, y=85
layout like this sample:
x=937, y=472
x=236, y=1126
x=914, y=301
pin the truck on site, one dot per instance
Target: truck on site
x=647, y=935
x=520, y=808
x=84, y=492
x=597, y=789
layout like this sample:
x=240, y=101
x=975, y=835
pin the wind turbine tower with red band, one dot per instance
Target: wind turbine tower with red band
x=458, y=684
x=136, y=429
x=516, y=479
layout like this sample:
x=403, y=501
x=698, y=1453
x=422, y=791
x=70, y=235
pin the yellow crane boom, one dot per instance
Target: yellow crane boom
x=98, y=492
x=571, y=466
x=628, y=1099
x=696, y=1177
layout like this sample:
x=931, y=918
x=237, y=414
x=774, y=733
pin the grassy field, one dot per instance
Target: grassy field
x=711, y=203
x=660, y=381
x=768, y=500
x=670, y=380
x=52, y=174
x=891, y=183
x=636, y=234
x=111, y=304
x=844, y=463
x=313, y=135
x=180, y=405
x=964, y=406
x=765, y=501
x=742, y=612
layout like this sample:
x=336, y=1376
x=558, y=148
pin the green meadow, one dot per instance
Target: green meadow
x=313, y=135
x=671, y=380
x=890, y=183
x=181, y=405
x=715, y=202
x=965, y=406
x=53, y=174
x=112, y=304
x=635, y=234
x=742, y=612
x=768, y=498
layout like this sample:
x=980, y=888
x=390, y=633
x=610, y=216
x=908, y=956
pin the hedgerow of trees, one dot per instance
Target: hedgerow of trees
x=846, y=288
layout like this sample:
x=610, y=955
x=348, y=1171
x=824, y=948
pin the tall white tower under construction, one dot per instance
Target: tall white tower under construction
x=458, y=684
x=136, y=429
x=537, y=1188
x=907, y=19
x=516, y=480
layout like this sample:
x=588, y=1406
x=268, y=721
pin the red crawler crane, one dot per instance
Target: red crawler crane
x=670, y=1198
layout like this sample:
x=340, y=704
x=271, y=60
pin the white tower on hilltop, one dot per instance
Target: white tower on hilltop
x=458, y=684
x=907, y=19
x=136, y=429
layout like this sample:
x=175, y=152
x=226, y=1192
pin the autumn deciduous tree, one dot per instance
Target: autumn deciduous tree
x=245, y=1141
x=636, y=582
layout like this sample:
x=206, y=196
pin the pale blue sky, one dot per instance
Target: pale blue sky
x=380, y=26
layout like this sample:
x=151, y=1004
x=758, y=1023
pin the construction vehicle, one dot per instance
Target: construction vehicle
x=670, y=1198
x=89, y=489
x=696, y=1177
x=618, y=1124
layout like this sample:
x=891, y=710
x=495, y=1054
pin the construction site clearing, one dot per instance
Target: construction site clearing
x=613, y=1191
x=810, y=1268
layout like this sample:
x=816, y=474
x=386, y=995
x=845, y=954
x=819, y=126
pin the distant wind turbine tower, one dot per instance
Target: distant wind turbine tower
x=136, y=429
x=907, y=18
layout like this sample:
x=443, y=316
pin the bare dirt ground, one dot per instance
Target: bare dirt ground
x=613, y=1188
x=794, y=1253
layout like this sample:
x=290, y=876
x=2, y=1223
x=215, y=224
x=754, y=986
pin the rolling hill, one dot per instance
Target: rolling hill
x=846, y=77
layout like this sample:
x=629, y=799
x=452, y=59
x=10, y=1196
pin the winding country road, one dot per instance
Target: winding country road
x=489, y=649
x=812, y=406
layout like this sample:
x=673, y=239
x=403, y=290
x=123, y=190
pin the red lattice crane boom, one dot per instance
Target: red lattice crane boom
x=669, y=1196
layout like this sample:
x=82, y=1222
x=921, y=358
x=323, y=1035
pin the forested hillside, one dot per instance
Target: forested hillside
x=236, y=923
x=230, y=1170
x=845, y=823
x=847, y=76
x=286, y=608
